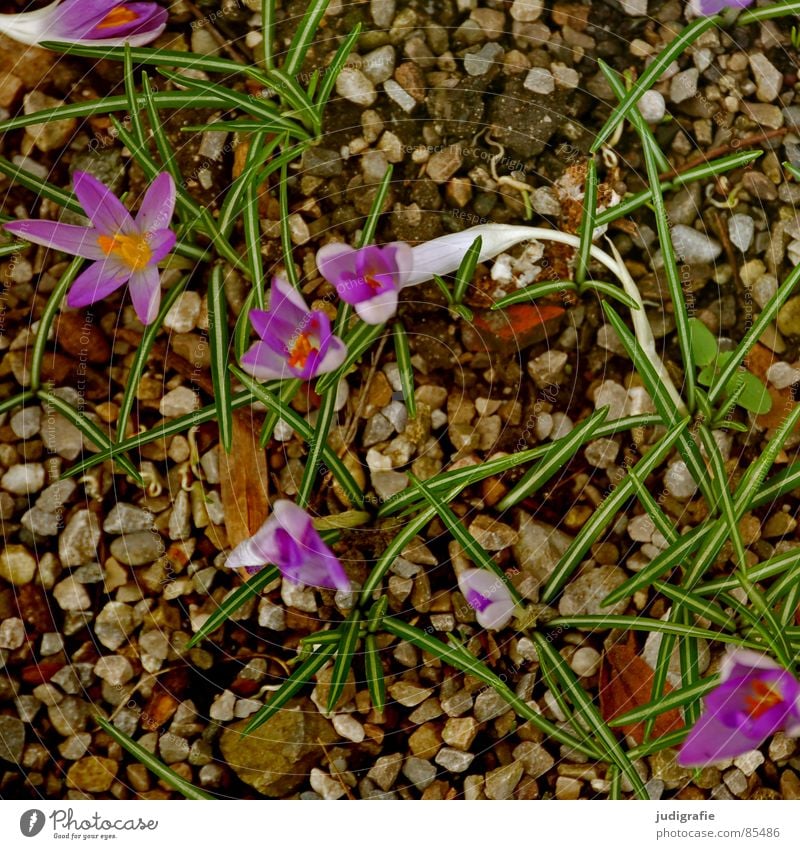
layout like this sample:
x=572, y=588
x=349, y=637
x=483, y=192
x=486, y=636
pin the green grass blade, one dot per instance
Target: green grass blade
x=233, y=602
x=561, y=451
x=325, y=417
x=675, y=699
x=463, y=660
x=141, y=355
x=498, y=465
x=303, y=428
x=589, y=713
x=466, y=270
x=336, y=65
x=268, y=31
x=753, y=334
x=304, y=36
x=48, y=316
x=701, y=172
x=21, y=177
x=349, y=631
x=301, y=676
x=405, y=368
x=696, y=605
x=472, y=548
x=159, y=769
x=91, y=432
x=586, y=229
x=218, y=345
x=653, y=72
x=605, y=513
x=373, y=668
x=358, y=341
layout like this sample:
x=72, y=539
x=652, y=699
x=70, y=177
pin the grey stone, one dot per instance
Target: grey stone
x=692, y=246
x=477, y=64
x=741, y=229
x=12, y=739
x=500, y=782
x=114, y=624
x=23, y=478
x=78, y=542
x=453, y=759
x=126, y=518
x=584, y=595
x=419, y=772
x=540, y=81
x=17, y=565
x=769, y=80
x=355, y=86
x=25, y=423
x=138, y=548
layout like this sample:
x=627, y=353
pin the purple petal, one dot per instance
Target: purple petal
x=82, y=21
x=145, y=289
x=711, y=741
x=489, y=596
x=263, y=362
x=161, y=243
x=334, y=356
x=98, y=281
x=286, y=302
x=758, y=703
x=379, y=309
x=738, y=662
x=102, y=206
x=158, y=205
x=147, y=21
x=318, y=566
x=706, y=8
x=336, y=263
x=78, y=241
x=258, y=550
x=443, y=255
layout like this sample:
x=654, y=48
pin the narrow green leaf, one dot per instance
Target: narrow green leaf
x=653, y=72
x=218, y=344
x=472, y=548
x=586, y=229
x=358, y=340
x=463, y=660
x=336, y=65
x=590, y=714
x=91, y=432
x=304, y=36
x=405, y=368
x=376, y=682
x=46, y=321
x=466, y=270
x=561, y=451
x=303, y=428
x=233, y=602
x=325, y=417
x=605, y=513
x=141, y=355
x=301, y=676
x=159, y=769
x=349, y=631
x=675, y=699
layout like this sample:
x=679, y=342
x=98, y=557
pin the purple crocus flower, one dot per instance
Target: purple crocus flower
x=368, y=278
x=125, y=250
x=289, y=541
x=93, y=22
x=706, y=8
x=295, y=341
x=488, y=596
x=756, y=698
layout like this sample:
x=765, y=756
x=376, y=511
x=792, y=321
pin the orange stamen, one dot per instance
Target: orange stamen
x=373, y=283
x=133, y=250
x=118, y=16
x=300, y=351
x=764, y=697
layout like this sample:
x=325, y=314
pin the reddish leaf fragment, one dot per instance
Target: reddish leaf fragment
x=626, y=682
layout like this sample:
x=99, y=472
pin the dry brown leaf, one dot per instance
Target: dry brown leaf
x=243, y=479
x=626, y=682
x=758, y=362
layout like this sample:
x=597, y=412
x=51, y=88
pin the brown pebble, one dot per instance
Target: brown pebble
x=411, y=79
x=79, y=335
x=574, y=15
